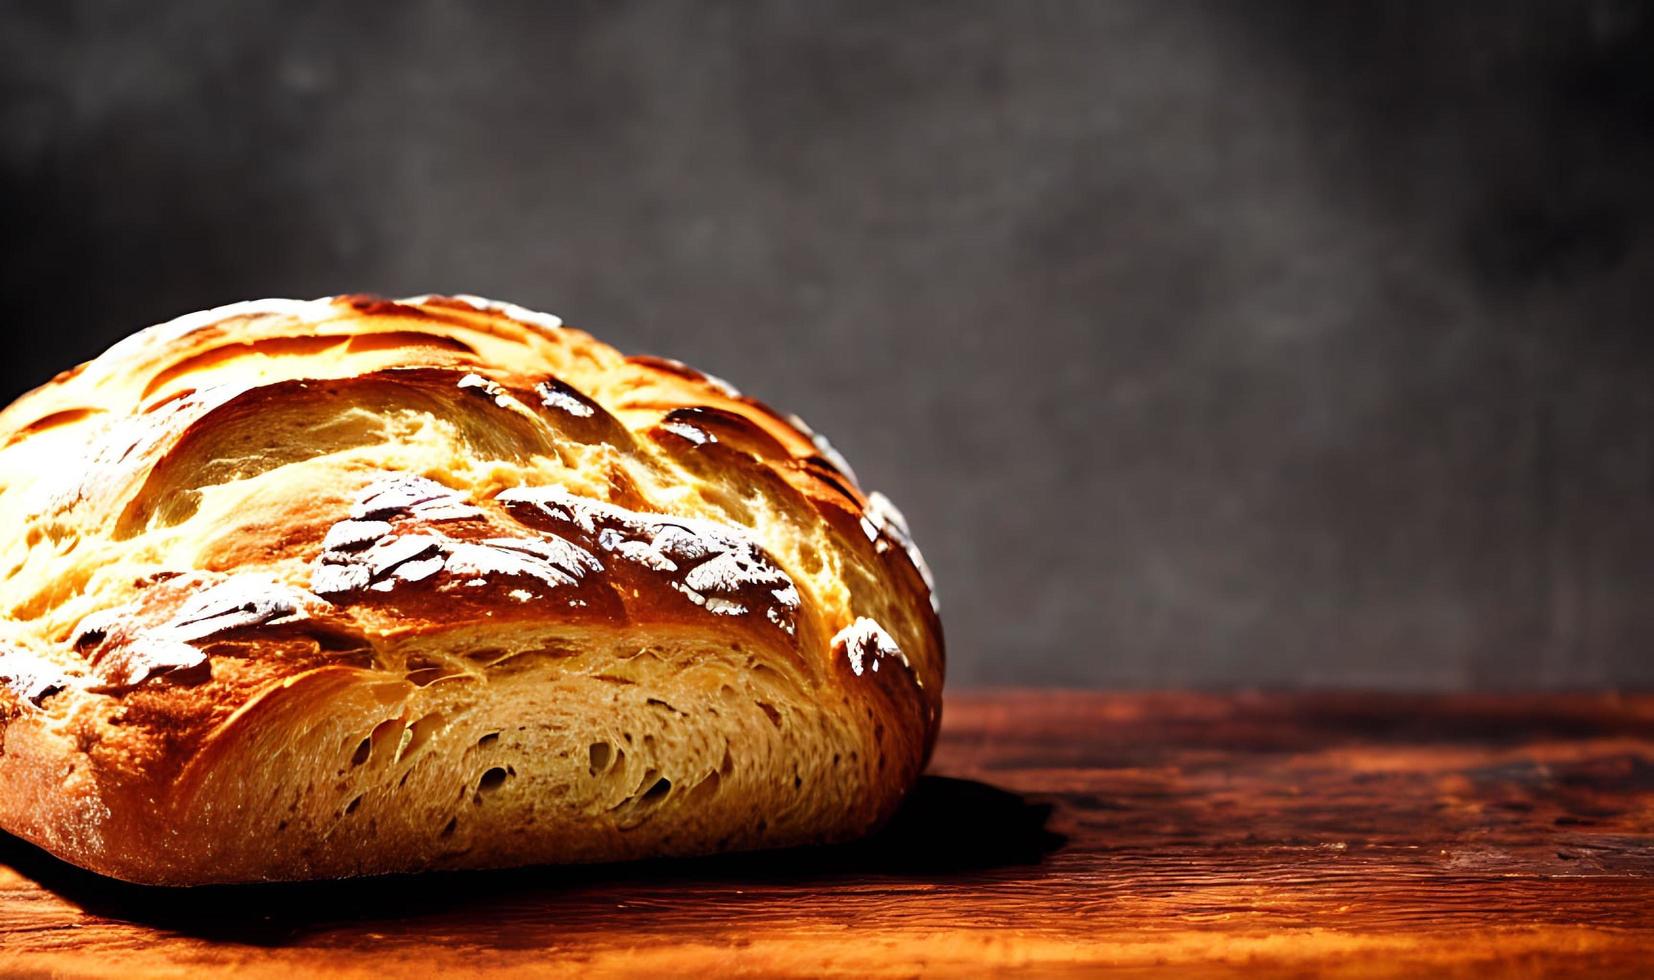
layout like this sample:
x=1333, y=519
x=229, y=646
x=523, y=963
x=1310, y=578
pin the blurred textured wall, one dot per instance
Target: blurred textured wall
x=1203, y=343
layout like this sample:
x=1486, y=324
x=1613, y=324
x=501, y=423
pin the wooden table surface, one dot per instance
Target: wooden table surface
x=1061, y=832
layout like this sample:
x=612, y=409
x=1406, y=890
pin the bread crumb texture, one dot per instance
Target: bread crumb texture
x=300, y=589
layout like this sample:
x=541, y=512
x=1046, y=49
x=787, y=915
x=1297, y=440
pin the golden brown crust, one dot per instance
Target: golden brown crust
x=252, y=547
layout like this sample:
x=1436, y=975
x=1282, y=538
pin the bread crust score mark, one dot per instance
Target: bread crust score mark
x=302, y=589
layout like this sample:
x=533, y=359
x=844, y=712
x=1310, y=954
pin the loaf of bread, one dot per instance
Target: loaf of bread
x=355, y=586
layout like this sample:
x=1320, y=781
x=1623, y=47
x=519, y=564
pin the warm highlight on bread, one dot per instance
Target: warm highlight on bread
x=355, y=586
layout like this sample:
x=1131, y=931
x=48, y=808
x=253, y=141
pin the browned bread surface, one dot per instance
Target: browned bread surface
x=355, y=586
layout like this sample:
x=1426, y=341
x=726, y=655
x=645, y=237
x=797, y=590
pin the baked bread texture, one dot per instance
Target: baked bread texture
x=356, y=586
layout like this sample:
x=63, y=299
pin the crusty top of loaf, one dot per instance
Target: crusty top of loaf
x=242, y=494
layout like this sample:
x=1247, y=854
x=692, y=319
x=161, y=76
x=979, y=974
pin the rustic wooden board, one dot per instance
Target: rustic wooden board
x=1346, y=835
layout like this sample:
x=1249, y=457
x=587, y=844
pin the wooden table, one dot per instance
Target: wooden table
x=1149, y=833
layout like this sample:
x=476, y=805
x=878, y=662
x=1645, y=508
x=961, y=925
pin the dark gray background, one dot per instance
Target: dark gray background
x=1203, y=343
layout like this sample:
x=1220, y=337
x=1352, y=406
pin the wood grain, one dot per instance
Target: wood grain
x=1153, y=834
